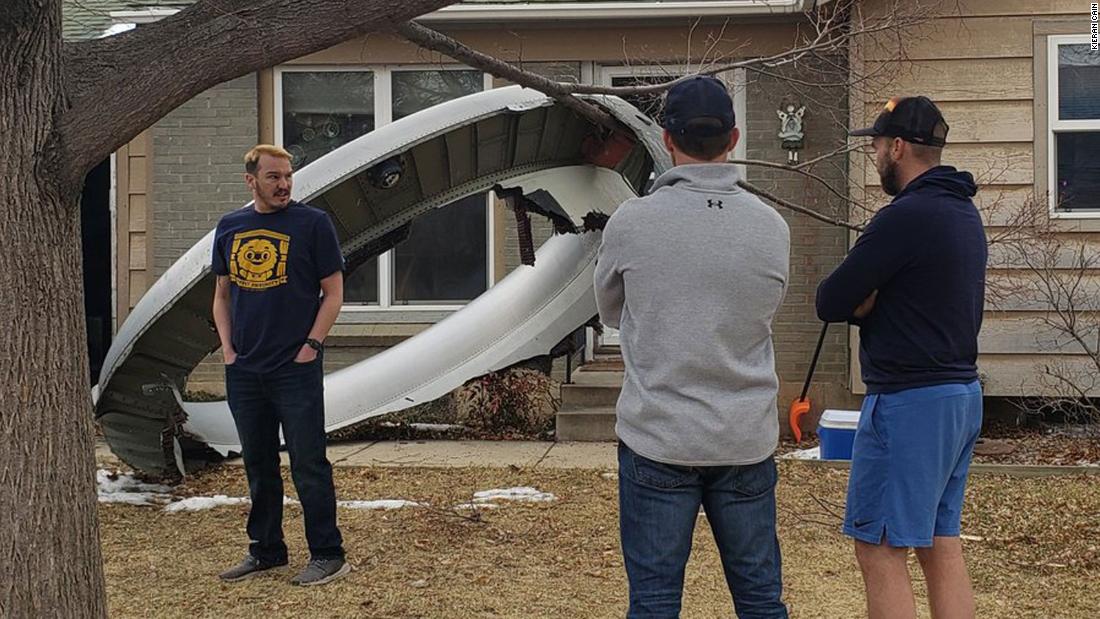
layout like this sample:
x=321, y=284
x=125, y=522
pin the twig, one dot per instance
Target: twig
x=796, y=208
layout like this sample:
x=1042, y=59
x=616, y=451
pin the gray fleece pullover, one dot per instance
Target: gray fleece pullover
x=692, y=276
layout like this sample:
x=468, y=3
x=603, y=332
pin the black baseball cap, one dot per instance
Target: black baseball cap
x=913, y=119
x=701, y=96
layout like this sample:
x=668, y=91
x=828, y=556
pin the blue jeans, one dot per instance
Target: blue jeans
x=293, y=397
x=658, y=508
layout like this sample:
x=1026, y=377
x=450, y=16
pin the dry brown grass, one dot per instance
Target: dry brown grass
x=562, y=559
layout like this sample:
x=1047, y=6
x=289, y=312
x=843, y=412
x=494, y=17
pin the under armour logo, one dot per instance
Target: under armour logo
x=714, y=204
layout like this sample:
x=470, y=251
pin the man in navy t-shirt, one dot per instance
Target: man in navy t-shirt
x=280, y=287
x=914, y=283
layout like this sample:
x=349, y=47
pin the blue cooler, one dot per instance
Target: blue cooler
x=837, y=431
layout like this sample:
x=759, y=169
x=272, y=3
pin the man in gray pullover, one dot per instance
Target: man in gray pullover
x=692, y=276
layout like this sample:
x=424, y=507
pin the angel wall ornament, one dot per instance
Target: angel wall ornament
x=790, y=130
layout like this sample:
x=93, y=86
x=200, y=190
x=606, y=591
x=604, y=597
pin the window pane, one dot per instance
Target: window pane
x=445, y=259
x=324, y=110
x=361, y=285
x=1078, y=170
x=1078, y=82
x=418, y=90
x=651, y=105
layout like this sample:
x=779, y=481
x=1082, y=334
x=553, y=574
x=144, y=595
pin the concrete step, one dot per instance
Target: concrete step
x=592, y=389
x=608, y=349
x=586, y=424
x=602, y=363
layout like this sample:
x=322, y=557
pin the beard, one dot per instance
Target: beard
x=278, y=199
x=888, y=176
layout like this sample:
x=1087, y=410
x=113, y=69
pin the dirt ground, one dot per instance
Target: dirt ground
x=1033, y=546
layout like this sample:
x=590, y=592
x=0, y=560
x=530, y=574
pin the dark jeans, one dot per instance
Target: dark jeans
x=658, y=508
x=293, y=397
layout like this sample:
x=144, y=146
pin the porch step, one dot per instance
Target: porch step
x=588, y=404
x=595, y=424
x=592, y=389
x=605, y=363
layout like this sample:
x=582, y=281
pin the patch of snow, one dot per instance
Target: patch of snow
x=108, y=482
x=525, y=494
x=127, y=489
x=379, y=504
x=198, y=503
x=805, y=454
x=132, y=498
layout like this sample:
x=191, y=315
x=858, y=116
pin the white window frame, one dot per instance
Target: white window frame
x=1054, y=125
x=734, y=80
x=383, y=115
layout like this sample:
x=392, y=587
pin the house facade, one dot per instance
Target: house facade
x=987, y=62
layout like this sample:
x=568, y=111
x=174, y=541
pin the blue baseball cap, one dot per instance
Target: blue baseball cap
x=699, y=97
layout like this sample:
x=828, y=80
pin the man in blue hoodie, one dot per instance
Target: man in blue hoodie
x=914, y=283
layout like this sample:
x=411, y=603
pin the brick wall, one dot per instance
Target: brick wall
x=816, y=248
x=198, y=168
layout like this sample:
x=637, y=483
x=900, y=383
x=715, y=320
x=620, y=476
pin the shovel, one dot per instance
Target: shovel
x=801, y=406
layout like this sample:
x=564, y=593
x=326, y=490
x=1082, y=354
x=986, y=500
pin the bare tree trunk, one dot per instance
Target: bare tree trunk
x=50, y=561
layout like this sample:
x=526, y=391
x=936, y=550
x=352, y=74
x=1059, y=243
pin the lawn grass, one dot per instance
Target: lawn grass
x=1037, y=554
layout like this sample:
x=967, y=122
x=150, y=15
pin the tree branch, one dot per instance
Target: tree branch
x=122, y=84
x=796, y=208
x=439, y=42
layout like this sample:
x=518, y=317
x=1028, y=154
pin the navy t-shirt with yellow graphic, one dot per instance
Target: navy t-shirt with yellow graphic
x=275, y=263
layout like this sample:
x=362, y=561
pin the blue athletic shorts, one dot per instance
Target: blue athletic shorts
x=909, y=464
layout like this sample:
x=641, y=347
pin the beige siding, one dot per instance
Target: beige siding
x=993, y=79
x=134, y=165
x=967, y=37
x=977, y=61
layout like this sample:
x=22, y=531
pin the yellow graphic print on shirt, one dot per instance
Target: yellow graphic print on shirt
x=257, y=259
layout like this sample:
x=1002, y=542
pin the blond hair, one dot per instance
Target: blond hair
x=252, y=157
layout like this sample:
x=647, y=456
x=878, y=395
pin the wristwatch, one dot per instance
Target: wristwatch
x=315, y=345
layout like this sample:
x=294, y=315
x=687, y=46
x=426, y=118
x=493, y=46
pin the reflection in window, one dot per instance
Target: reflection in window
x=1078, y=83
x=445, y=259
x=1078, y=170
x=324, y=110
x=419, y=90
x=361, y=284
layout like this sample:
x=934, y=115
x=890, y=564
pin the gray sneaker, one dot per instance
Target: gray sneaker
x=247, y=568
x=321, y=571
